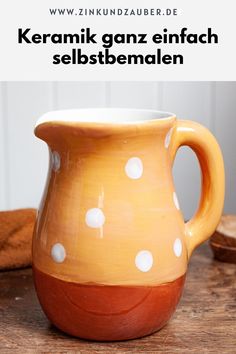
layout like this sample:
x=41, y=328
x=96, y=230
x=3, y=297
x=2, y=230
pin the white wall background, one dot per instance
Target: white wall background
x=24, y=158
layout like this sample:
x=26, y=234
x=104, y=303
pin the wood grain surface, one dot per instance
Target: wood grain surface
x=205, y=321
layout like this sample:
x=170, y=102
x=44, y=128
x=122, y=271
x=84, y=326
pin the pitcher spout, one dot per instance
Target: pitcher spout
x=100, y=122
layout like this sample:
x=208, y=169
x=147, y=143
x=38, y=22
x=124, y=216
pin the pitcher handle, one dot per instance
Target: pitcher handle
x=209, y=155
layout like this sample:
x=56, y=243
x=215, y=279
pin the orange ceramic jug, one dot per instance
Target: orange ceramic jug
x=111, y=248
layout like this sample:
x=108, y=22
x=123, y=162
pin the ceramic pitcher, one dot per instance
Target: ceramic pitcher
x=111, y=248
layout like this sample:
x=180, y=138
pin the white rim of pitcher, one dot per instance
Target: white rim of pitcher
x=81, y=115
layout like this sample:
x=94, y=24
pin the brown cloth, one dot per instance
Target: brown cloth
x=16, y=231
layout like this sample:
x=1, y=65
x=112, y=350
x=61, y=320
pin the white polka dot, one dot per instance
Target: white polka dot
x=58, y=253
x=56, y=161
x=168, y=138
x=95, y=218
x=176, y=201
x=177, y=247
x=134, y=168
x=144, y=261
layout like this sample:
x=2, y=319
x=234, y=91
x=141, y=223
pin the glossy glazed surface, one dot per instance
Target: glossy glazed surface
x=110, y=224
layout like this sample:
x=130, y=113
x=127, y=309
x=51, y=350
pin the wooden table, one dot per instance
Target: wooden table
x=205, y=321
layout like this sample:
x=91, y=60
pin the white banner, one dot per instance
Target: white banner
x=118, y=40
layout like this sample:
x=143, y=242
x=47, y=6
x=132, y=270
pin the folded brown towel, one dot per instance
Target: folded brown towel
x=16, y=230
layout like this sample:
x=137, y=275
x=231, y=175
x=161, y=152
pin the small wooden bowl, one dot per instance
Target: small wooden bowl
x=223, y=253
x=223, y=241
